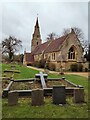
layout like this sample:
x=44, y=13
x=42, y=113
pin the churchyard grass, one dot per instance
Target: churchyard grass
x=24, y=109
x=48, y=110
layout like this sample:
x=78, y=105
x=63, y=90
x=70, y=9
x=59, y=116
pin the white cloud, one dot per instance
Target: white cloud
x=19, y=19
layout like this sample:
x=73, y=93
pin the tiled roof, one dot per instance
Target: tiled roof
x=55, y=45
x=40, y=48
x=49, y=46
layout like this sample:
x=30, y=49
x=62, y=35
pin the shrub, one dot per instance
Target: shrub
x=36, y=64
x=86, y=70
x=29, y=64
x=52, y=66
x=80, y=67
x=42, y=63
x=76, y=67
x=47, y=65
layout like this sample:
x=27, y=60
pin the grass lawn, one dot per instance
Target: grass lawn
x=48, y=110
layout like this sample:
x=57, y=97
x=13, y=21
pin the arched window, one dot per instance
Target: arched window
x=71, y=53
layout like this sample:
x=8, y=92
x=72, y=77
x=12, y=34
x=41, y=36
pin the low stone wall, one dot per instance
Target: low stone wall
x=47, y=91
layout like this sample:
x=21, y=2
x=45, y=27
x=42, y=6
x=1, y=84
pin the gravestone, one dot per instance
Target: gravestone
x=59, y=95
x=37, y=96
x=13, y=67
x=13, y=98
x=78, y=95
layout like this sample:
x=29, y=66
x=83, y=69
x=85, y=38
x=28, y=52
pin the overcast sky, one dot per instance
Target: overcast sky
x=18, y=19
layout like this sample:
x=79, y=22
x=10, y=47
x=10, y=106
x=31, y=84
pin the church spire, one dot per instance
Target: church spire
x=37, y=24
x=36, y=38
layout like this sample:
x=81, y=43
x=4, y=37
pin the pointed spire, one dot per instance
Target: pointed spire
x=36, y=38
x=37, y=24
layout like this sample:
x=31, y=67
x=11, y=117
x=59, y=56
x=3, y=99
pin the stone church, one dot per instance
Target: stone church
x=62, y=51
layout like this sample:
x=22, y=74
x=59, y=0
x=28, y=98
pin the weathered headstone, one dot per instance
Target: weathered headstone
x=13, y=98
x=59, y=95
x=37, y=96
x=13, y=67
x=78, y=95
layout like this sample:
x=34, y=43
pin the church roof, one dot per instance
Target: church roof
x=55, y=44
x=50, y=46
x=41, y=48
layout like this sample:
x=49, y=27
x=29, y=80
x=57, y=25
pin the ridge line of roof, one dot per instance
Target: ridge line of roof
x=45, y=46
x=61, y=43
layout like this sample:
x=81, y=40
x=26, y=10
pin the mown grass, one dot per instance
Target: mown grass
x=24, y=109
x=24, y=71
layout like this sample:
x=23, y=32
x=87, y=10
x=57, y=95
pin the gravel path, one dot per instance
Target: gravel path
x=84, y=74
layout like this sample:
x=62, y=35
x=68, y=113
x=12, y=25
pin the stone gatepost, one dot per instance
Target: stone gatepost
x=13, y=98
x=59, y=95
x=78, y=95
x=37, y=96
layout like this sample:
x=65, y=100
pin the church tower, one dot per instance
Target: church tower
x=36, y=37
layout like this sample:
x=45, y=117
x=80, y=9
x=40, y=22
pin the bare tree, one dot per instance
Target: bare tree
x=79, y=33
x=51, y=36
x=87, y=54
x=66, y=31
x=10, y=46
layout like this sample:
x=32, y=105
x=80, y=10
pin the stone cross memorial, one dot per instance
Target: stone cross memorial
x=42, y=77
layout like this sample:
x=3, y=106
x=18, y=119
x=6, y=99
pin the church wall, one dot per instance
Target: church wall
x=72, y=40
x=38, y=57
x=24, y=60
x=61, y=57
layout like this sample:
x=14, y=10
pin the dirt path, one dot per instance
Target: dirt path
x=84, y=74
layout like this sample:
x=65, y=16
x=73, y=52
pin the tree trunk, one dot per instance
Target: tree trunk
x=10, y=56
